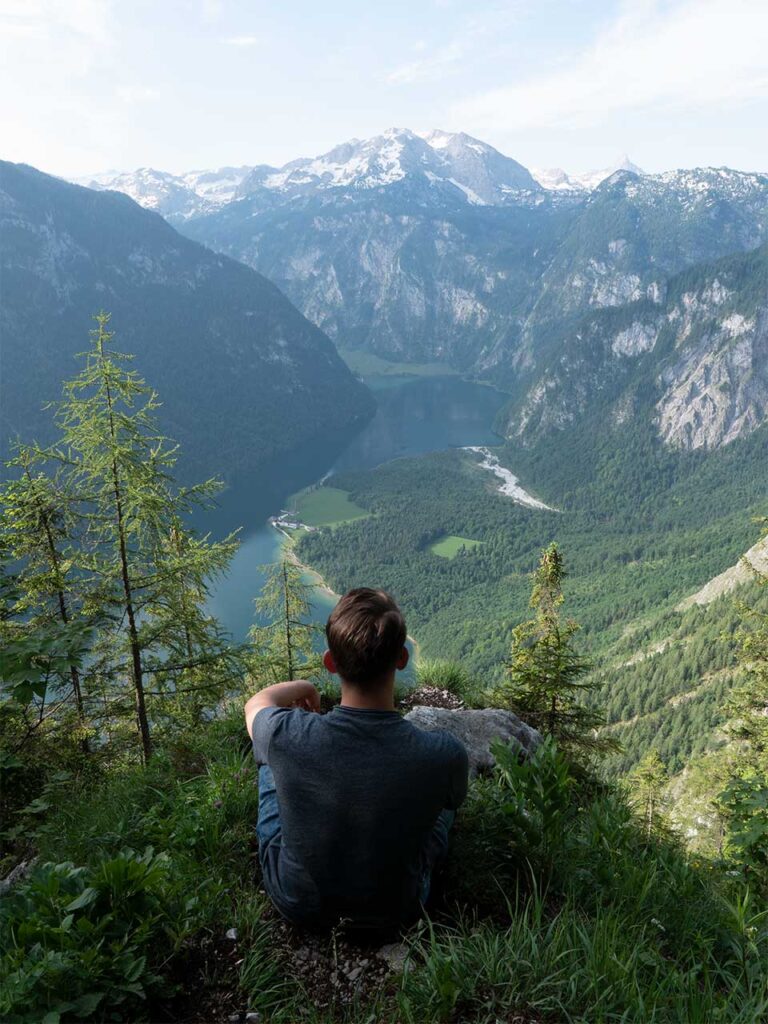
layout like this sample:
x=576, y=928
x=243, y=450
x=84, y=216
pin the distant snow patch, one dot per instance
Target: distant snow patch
x=472, y=196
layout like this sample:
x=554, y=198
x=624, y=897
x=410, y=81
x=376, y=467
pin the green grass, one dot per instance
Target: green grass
x=366, y=364
x=327, y=506
x=556, y=908
x=450, y=546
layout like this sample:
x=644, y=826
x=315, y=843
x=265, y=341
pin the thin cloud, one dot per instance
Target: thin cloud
x=84, y=19
x=137, y=94
x=242, y=41
x=427, y=69
x=212, y=10
x=691, y=55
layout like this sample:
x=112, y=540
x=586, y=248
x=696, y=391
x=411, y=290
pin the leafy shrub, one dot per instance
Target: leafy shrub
x=538, y=799
x=745, y=802
x=75, y=942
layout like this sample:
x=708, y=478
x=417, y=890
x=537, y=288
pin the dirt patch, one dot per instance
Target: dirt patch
x=205, y=975
x=336, y=969
x=432, y=697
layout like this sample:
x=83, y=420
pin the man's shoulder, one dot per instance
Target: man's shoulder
x=276, y=725
x=289, y=721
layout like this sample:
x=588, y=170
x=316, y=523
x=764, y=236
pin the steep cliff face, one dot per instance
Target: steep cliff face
x=559, y=299
x=715, y=382
x=398, y=273
x=243, y=375
x=416, y=248
x=696, y=363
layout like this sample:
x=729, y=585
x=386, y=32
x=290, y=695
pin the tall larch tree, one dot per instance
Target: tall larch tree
x=151, y=572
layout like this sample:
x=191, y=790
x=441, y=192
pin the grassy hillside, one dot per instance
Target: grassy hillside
x=450, y=546
x=326, y=506
x=146, y=906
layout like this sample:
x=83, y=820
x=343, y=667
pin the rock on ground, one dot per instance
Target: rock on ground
x=477, y=730
x=17, y=874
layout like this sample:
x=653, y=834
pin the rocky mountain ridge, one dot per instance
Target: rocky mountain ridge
x=464, y=165
x=470, y=168
x=480, y=171
x=558, y=180
x=435, y=247
x=177, y=197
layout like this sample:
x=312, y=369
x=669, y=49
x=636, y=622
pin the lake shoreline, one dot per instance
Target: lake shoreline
x=289, y=546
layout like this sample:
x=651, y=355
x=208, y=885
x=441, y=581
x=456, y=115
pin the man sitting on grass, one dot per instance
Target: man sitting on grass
x=354, y=806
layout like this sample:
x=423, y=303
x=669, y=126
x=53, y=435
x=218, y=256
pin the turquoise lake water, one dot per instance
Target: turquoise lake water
x=414, y=416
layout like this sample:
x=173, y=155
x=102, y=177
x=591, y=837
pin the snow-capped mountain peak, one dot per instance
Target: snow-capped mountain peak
x=439, y=164
x=370, y=163
x=556, y=179
x=178, y=197
x=478, y=171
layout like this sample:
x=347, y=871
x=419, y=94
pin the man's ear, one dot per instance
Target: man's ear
x=329, y=663
x=403, y=659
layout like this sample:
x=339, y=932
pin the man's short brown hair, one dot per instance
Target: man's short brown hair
x=366, y=633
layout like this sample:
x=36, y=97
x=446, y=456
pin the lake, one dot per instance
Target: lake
x=414, y=416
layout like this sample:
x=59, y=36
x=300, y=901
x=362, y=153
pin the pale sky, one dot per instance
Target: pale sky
x=92, y=85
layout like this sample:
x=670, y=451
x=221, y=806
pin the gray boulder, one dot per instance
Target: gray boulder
x=477, y=730
x=16, y=875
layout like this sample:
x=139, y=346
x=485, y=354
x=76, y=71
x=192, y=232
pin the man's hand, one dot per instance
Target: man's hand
x=297, y=693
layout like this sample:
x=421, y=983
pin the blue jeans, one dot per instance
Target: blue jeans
x=268, y=830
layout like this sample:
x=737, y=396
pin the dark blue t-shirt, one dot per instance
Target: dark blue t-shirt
x=359, y=792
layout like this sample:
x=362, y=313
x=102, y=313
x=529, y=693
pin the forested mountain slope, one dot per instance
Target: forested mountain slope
x=244, y=376
x=642, y=526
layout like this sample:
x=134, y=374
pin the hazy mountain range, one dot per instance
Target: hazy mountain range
x=561, y=181
x=473, y=167
x=566, y=290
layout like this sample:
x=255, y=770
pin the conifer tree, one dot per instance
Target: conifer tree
x=149, y=573
x=647, y=783
x=545, y=681
x=285, y=647
x=37, y=529
x=190, y=656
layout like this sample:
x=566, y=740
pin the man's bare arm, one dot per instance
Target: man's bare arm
x=297, y=693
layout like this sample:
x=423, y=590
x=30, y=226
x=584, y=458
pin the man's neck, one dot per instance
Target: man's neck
x=379, y=698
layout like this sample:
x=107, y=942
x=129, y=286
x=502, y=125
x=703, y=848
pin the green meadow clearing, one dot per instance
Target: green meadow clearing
x=327, y=506
x=367, y=364
x=450, y=546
